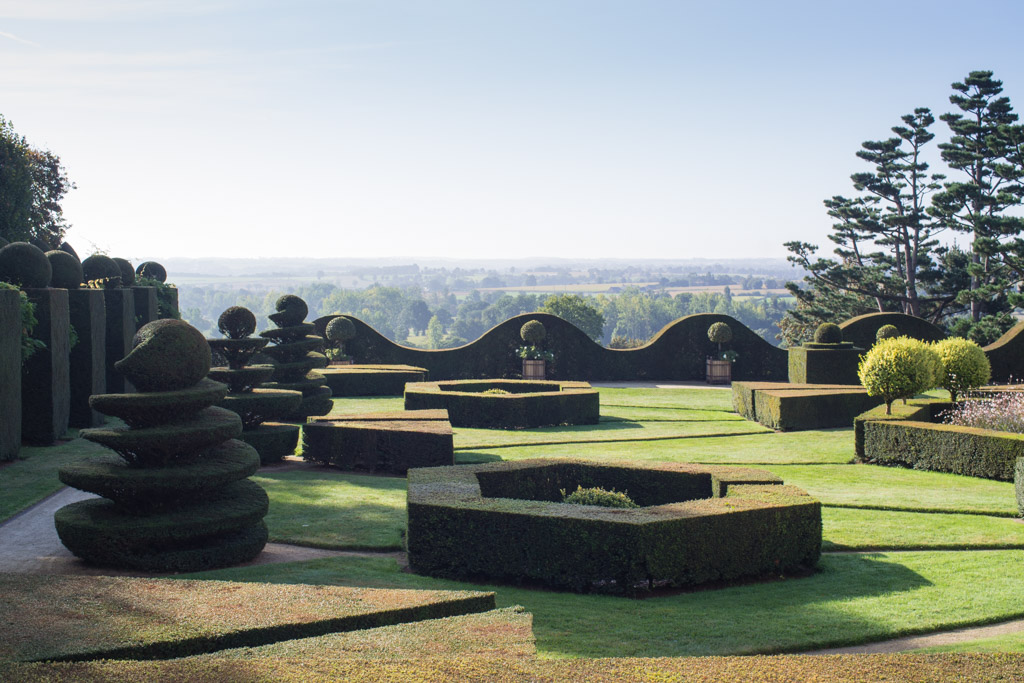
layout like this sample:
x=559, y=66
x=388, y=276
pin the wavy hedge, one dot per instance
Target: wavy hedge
x=677, y=352
x=862, y=329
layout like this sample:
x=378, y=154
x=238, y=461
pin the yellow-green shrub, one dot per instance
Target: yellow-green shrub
x=898, y=367
x=964, y=366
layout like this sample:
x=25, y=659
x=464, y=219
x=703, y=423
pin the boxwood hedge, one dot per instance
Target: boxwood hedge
x=371, y=380
x=697, y=524
x=525, y=403
x=788, y=410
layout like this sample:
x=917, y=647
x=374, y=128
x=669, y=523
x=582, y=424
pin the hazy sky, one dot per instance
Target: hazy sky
x=570, y=128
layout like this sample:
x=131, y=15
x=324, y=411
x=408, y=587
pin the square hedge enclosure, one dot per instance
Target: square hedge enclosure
x=696, y=524
x=507, y=404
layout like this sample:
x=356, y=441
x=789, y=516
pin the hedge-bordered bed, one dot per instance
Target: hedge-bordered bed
x=522, y=403
x=696, y=524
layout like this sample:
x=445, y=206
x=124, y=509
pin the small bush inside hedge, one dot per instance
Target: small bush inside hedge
x=598, y=496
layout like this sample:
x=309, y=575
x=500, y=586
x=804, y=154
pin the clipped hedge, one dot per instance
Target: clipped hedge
x=371, y=380
x=527, y=403
x=743, y=393
x=393, y=444
x=824, y=364
x=1018, y=484
x=1005, y=355
x=794, y=410
x=915, y=410
x=863, y=329
x=499, y=520
x=943, y=448
x=678, y=352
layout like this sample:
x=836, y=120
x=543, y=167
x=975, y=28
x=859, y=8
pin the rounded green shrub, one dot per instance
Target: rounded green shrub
x=886, y=332
x=291, y=310
x=99, y=267
x=167, y=355
x=533, y=332
x=900, y=367
x=720, y=333
x=127, y=271
x=340, y=329
x=67, y=270
x=236, y=322
x=151, y=270
x=24, y=265
x=64, y=246
x=598, y=496
x=964, y=366
x=828, y=333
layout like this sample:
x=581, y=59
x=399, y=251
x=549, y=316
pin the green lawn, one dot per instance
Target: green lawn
x=847, y=528
x=34, y=475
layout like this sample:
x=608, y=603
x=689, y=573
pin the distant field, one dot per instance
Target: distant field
x=615, y=287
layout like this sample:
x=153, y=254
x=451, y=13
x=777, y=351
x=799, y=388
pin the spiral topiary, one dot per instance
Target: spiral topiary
x=533, y=332
x=100, y=267
x=296, y=350
x=886, y=332
x=720, y=333
x=67, y=270
x=255, y=405
x=176, y=494
x=964, y=366
x=828, y=333
x=127, y=271
x=236, y=322
x=151, y=270
x=24, y=265
x=168, y=355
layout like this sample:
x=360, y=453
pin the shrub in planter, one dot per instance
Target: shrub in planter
x=964, y=366
x=898, y=368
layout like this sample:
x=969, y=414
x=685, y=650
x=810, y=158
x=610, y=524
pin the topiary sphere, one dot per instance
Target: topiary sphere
x=340, y=329
x=291, y=310
x=886, y=332
x=720, y=333
x=99, y=267
x=168, y=355
x=152, y=270
x=828, y=333
x=67, y=271
x=533, y=332
x=64, y=246
x=127, y=271
x=237, y=322
x=25, y=265
x=40, y=244
x=964, y=366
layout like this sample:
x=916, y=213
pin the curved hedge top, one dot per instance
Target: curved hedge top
x=1006, y=355
x=863, y=329
x=677, y=352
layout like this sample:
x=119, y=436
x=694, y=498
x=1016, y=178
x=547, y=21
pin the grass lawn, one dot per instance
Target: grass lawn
x=847, y=528
x=34, y=475
x=1008, y=642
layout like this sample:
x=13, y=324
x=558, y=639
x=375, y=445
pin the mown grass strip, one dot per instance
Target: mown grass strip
x=859, y=529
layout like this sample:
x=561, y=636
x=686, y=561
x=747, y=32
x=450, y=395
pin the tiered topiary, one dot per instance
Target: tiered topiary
x=296, y=353
x=254, y=405
x=176, y=495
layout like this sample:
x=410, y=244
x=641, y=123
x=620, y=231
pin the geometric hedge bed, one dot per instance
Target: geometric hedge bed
x=795, y=407
x=521, y=403
x=696, y=524
x=371, y=380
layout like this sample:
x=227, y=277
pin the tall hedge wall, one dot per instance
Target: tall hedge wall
x=1006, y=355
x=862, y=329
x=677, y=352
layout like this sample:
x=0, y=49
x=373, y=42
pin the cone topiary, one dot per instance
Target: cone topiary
x=295, y=348
x=67, y=270
x=175, y=492
x=255, y=406
x=151, y=270
x=127, y=271
x=24, y=265
x=828, y=333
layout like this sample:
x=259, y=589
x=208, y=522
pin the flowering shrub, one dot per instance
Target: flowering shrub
x=1003, y=412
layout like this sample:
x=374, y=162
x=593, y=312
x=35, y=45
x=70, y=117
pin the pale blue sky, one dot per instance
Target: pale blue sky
x=569, y=128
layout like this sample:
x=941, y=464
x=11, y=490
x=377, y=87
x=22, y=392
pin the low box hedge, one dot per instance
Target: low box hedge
x=916, y=410
x=743, y=393
x=379, y=444
x=527, y=403
x=793, y=410
x=371, y=380
x=697, y=524
x=943, y=448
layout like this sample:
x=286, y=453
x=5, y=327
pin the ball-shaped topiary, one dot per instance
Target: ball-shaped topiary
x=24, y=265
x=236, y=322
x=127, y=271
x=64, y=246
x=67, y=270
x=340, y=329
x=533, y=332
x=291, y=310
x=886, y=332
x=900, y=367
x=964, y=366
x=168, y=355
x=720, y=333
x=828, y=333
x=151, y=270
x=99, y=267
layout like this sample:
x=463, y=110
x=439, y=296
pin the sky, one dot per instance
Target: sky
x=476, y=128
